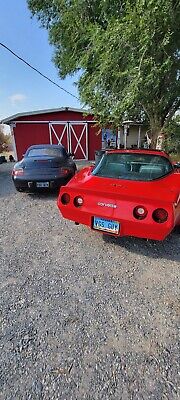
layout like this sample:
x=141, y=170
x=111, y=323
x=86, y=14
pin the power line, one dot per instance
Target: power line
x=36, y=70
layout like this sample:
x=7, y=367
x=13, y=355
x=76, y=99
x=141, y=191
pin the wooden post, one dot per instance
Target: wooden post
x=139, y=137
x=119, y=138
x=125, y=136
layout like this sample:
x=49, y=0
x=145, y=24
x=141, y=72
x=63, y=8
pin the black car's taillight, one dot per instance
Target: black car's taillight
x=18, y=172
x=65, y=171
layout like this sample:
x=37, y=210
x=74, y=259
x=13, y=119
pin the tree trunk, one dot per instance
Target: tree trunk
x=154, y=137
x=156, y=130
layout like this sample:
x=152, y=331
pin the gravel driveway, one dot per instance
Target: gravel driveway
x=83, y=316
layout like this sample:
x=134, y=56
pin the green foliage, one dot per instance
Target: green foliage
x=172, y=141
x=128, y=54
x=4, y=140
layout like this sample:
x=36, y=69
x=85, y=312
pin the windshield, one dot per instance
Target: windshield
x=47, y=151
x=135, y=167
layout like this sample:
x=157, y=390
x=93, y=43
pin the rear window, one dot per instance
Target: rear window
x=47, y=151
x=137, y=167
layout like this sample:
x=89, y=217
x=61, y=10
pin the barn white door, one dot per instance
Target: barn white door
x=72, y=135
x=59, y=134
x=78, y=140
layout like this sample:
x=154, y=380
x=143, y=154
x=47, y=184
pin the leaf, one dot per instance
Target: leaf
x=128, y=53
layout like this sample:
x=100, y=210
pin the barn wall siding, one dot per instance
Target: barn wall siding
x=33, y=132
x=36, y=129
x=94, y=140
x=26, y=135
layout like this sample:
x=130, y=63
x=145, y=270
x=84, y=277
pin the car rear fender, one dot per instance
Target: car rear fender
x=118, y=207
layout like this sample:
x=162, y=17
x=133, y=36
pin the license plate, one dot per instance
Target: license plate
x=106, y=225
x=42, y=184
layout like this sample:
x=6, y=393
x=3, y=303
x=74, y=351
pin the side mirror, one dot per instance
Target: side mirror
x=176, y=165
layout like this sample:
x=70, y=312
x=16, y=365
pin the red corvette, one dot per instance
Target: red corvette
x=129, y=193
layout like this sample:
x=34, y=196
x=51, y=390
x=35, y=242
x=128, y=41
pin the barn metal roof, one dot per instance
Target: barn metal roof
x=47, y=111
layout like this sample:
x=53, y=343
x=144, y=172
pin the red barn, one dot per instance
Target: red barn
x=73, y=128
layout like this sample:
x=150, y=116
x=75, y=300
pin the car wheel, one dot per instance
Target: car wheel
x=20, y=190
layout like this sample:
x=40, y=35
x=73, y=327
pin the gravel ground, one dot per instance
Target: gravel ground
x=83, y=316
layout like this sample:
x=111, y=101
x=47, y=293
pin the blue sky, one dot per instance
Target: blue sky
x=22, y=89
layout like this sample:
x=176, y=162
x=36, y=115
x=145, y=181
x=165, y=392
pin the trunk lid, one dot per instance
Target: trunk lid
x=163, y=189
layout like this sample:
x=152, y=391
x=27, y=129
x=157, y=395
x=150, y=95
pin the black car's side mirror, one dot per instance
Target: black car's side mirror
x=177, y=165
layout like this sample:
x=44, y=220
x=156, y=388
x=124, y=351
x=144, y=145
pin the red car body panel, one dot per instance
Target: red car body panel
x=115, y=199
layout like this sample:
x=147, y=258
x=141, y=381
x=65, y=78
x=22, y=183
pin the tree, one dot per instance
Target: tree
x=128, y=53
x=172, y=140
x=4, y=139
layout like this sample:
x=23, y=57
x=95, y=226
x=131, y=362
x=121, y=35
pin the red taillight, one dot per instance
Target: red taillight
x=160, y=215
x=78, y=201
x=65, y=171
x=18, y=172
x=140, y=212
x=65, y=198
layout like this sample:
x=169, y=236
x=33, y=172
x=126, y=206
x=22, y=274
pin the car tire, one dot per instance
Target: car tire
x=20, y=190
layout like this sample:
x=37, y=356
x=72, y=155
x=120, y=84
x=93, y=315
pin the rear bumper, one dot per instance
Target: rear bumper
x=29, y=185
x=136, y=228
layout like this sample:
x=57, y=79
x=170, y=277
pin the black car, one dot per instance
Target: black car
x=43, y=167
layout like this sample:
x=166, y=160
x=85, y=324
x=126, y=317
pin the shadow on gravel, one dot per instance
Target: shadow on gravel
x=6, y=184
x=44, y=196
x=168, y=249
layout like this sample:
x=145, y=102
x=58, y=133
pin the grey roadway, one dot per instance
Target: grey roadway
x=83, y=316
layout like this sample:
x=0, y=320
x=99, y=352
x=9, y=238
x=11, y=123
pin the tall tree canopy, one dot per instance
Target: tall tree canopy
x=128, y=53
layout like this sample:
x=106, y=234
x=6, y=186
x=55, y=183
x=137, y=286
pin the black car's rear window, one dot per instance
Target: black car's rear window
x=137, y=167
x=47, y=151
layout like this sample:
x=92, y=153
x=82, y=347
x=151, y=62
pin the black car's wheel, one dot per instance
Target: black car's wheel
x=20, y=190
